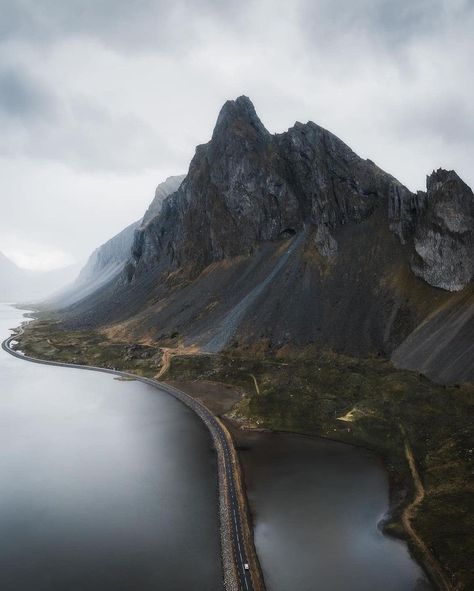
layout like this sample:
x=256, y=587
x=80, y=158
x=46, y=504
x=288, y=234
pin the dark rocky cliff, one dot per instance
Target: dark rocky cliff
x=115, y=252
x=444, y=233
x=168, y=186
x=290, y=239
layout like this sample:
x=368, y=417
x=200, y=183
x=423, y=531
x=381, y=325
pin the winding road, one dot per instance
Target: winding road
x=238, y=571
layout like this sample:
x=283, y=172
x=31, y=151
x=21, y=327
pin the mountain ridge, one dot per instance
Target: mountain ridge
x=372, y=259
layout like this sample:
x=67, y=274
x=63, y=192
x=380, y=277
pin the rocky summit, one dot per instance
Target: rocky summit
x=292, y=240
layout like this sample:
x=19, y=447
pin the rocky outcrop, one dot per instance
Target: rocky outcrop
x=444, y=233
x=116, y=251
x=325, y=242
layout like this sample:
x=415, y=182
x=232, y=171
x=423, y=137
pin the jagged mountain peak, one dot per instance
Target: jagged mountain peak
x=247, y=186
x=441, y=177
x=310, y=139
x=240, y=118
x=444, y=238
x=365, y=250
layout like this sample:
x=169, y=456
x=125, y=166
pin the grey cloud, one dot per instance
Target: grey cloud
x=96, y=139
x=122, y=24
x=77, y=131
x=22, y=96
x=447, y=118
x=112, y=95
x=386, y=24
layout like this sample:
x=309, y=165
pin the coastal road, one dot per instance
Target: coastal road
x=235, y=514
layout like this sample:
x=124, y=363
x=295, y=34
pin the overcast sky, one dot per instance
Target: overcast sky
x=102, y=99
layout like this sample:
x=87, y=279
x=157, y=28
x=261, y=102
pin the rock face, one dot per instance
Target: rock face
x=247, y=186
x=290, y=239
x=104, y=264
x=116, y=251
x=110, y=257
x=444, y=235
x=170, y=185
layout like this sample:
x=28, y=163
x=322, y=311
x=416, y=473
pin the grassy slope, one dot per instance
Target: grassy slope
x=309, y=393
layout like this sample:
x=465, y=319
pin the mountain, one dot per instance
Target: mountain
x=293, y=240
x=108, y=260
x=12, y=280
x=23, y=286
x=105, y=263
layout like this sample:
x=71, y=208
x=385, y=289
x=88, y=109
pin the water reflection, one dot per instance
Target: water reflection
x=104, y=484
x=317, y=504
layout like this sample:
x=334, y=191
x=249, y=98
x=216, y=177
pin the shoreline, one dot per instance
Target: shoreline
x=232, y=493
x=226, y=385
x=397, y=513
x=413, y=541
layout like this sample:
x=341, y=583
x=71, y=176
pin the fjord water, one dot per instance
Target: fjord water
x=316, y=504
x=111, y=485
x=104, y=484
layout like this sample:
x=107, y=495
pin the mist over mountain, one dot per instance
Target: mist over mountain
x=291, y=241
x=167, y=187
x=108, y=260
x=19, y=285
x=11, y=279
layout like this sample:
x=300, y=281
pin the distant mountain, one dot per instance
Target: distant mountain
x=105, y=263
x=292, y=240
x=108, y=260
x=12, y=280
x=22, y=286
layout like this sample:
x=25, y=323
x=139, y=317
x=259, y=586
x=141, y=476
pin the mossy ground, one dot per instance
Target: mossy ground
x=46, y=340
x=309, y=393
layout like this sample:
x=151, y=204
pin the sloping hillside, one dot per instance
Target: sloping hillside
x=442, y=346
